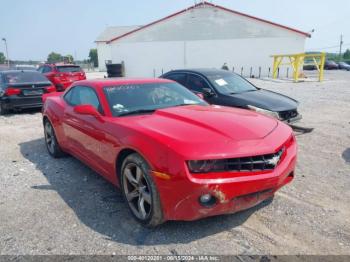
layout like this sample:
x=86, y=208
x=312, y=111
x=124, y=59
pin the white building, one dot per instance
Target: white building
x=204, y=35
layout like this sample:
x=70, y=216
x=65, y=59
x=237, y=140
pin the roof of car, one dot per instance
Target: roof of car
x=122, y=81
x=19, y=71
x=203, y=71
x=59, y=64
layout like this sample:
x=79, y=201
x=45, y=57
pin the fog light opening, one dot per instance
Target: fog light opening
x=207, y=200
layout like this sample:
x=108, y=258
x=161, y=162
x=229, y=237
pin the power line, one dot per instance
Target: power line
x=328, y=47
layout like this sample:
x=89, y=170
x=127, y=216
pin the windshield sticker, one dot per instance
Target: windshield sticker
x=118, y=107
x=221, y=82
x=111, y=89
x=190, y=102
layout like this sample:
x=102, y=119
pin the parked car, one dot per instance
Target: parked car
x=62, y=75
x=174, y=156
x=309, y=66
x=330, y=65
x=344, y=66
x=22, y=89
x=220, y=87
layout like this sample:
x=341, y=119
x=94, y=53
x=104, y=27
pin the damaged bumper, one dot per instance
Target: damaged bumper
x=232, y=192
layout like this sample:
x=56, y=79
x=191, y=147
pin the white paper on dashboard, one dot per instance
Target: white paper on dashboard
x=221, y=82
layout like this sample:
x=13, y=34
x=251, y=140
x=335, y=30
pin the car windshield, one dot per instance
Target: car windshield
x=68, y=69
x=230, y=83
x=139, y=98
x=24, y=77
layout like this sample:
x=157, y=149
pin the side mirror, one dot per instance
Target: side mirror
x=200, y=95
x=208, y=92
x=87, y=110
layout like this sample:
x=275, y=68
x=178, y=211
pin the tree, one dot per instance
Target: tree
x=2, y=58
x=93, y=57
x=347, y=54
x=54, y=57
x=69, y=58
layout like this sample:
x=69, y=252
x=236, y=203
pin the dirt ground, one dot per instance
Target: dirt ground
x=50, y=206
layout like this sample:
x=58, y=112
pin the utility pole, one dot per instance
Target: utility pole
x=7, y=52
x=341, y=45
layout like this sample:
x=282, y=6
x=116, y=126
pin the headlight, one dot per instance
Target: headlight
x=264, y=111
x=206, y=166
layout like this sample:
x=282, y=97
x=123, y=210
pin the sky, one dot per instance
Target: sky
x=34, y=28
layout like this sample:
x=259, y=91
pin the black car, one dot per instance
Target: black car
x=344, y=66
x=22, y=89
x=220, y=87
x=330, y=65
x=310, y=67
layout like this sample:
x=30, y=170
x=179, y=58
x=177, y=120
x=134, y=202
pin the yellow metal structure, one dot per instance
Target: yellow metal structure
x=297, y=61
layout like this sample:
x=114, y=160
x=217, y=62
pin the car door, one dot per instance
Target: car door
x=84, y=133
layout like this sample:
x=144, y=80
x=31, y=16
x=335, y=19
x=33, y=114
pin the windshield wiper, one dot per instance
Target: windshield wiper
x=135, y=112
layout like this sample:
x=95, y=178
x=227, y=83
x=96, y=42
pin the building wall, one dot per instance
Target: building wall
x=104, y=53
x=148, y=59
x=203, y=37
x=207, y=23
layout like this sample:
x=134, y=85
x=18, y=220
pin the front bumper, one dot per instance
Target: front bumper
x=20, y=102
x=233, y=191
x=230, y=197
x=293, y=120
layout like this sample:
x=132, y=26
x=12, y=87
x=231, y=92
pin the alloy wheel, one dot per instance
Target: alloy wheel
x=50, y=137
x=137, y=191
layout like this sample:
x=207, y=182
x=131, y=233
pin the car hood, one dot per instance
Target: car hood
x=267, y=100
x=203, y=126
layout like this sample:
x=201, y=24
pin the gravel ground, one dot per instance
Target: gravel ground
x=52, y=206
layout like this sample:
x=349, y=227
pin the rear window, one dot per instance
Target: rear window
x=68, y=69
x=24, y=77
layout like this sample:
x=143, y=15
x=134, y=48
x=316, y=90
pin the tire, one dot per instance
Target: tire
x=52, y=145
x=140, y=192
x=3, y=110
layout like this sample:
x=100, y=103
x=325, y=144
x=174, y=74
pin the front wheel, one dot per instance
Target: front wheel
x=51, y=141
x=140, y=192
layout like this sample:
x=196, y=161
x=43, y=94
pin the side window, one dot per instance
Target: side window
x=40, y=69
x=178, y=77
x=83, y=95
x=68, y=96
x=196, y=83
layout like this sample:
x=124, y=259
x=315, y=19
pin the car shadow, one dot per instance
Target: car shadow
x=29, y=111
x=100, y=206
x=346, y=155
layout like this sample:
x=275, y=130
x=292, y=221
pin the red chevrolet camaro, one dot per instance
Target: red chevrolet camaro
x=174, y=156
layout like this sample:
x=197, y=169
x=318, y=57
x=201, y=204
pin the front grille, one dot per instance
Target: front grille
x=253, y=163
x=286, y=115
